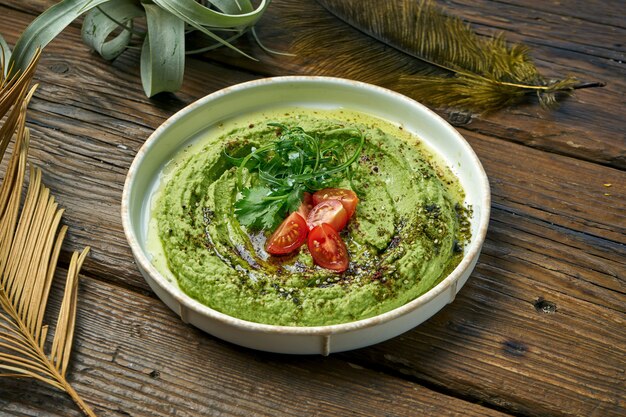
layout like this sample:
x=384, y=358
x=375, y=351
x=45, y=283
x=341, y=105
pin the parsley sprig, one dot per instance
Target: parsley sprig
x=283, y=170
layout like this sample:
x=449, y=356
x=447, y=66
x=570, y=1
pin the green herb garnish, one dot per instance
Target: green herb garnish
x=283, y=170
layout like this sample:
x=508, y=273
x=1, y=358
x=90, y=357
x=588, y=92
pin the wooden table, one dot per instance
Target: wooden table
x=539, y=329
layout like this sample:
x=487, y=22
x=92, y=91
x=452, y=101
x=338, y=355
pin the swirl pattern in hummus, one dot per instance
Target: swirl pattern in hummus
x=407, y=234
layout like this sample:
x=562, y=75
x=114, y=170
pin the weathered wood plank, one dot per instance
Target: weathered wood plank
x=555, y=25
x=514, y=338
x=584, y=126
x=133, y=357
x=519, y=337
x=87, y=126
x=562, y=191
x=556, y=239
x=566, y=40
x=603, y=12
x=495, y=343
x=552, y=263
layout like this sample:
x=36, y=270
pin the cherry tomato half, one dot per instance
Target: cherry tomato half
x=347, y=197
x=306, y=205
x=327, y=248
x=329, y=211
x=289, y=236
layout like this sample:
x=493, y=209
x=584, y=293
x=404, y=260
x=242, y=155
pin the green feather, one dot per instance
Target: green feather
x=418, y=49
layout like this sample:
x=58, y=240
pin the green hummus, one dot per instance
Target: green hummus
x=407, y=234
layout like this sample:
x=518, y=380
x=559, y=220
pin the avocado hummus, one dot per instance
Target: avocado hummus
x=407, y=234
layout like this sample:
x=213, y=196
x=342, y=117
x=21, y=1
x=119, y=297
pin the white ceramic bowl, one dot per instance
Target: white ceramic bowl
x=316, y=92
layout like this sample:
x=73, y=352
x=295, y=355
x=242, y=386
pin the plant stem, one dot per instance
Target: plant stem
x=45, y=360
x=57, y=375
x=79, y=401
x=547, y=87
x=589, y=85
x=524, y=86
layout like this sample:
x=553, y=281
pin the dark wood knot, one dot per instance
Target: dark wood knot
x=544, y=306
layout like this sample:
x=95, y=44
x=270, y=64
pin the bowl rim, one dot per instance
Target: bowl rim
x=324, y=330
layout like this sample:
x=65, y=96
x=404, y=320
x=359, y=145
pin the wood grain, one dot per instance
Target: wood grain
x=560, y=43
x=93, y=133
x=519, y=336
x=559, y=49
x=133, y=357
x=538, y=329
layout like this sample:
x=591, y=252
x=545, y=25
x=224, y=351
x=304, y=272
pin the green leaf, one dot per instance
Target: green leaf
x=283, y=169
x=163, y=52
x=5, y=56
x=204, y=19
x=233, y=6
x=102, y=21
x=162, y=58
x=196, y=14
x=294, y=198
x=46, y=27
x=254, y=212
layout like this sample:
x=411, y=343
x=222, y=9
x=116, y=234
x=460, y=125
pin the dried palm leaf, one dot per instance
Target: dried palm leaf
x=30, y=243
x=442, y=61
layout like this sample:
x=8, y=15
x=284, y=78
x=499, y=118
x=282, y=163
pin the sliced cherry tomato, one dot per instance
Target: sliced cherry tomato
x=327, y=248
x=347, y=197
x=329, y=211
x=306, y=205
x=289, y=236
